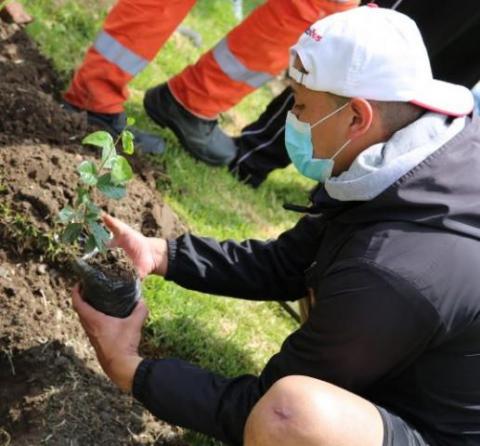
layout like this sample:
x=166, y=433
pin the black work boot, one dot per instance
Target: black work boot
x=115, y=124
x=202, y=138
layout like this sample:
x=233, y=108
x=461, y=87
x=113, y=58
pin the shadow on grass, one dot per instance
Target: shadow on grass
x=184, y=338
x=292, y=190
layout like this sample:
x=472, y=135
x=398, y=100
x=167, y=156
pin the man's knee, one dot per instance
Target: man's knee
x=291, y=413
x=299, y=410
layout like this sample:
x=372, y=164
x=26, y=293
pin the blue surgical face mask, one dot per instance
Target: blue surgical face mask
x=298, y=140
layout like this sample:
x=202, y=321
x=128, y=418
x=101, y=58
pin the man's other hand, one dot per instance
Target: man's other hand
x=148, y=254
x=115, y=340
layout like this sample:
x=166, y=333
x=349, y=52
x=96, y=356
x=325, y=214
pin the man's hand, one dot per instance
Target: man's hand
x=115, y=340
x=148, y=254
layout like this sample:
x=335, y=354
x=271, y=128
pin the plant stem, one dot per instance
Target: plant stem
x=119, y=135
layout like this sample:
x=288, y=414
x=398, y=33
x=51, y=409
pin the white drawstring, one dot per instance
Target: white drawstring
x=397, y=4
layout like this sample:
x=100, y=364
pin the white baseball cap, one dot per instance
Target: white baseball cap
x=378, y=54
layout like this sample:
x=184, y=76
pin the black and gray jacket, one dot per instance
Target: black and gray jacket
x=396, y=318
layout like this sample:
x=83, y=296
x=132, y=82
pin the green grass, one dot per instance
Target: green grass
x=228, y=336
x=64, y=30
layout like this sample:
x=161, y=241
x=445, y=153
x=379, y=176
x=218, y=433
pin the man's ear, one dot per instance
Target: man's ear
x=362, y=117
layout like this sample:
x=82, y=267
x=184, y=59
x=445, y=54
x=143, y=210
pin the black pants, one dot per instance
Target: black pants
x=451, y=30
x=397, y=432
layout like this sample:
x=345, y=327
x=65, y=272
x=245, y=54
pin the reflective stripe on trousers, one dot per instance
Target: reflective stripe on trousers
x=251, y=54
x=119, y=55
x=235, y=69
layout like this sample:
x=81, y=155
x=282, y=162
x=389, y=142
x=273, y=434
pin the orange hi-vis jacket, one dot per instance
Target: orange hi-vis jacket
x=251, y=54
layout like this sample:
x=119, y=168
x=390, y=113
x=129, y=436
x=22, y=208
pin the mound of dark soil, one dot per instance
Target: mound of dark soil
x=27, y=83
x=52, y=390
x=30, y=114
x=21, y=62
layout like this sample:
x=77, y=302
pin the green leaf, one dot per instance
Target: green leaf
x=88, y=172
x=121, y=171
x=105, y=141
x=99, y=139
x=66, y=214
x=100, y=234
x=93, y=212
x=90, y=245
x=130, y=121
x=72, y=232
x=109, y=155
x=127, y=142
x=110, y=190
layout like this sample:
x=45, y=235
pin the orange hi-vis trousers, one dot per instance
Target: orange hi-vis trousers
x=251, y=54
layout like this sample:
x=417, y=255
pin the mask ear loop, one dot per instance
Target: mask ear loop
x=341, y=148
x=330, y=115
x=344, y=145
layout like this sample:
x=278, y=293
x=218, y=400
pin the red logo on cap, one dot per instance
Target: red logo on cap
x=310, y=32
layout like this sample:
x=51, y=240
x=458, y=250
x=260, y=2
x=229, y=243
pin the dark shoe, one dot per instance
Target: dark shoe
x=241, y=173
x=115, y=123
x=202, y=138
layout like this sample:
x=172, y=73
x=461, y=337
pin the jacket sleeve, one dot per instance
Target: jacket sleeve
x=253, y=269
x=366, y=326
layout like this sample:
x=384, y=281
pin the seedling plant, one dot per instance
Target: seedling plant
x=108, y=176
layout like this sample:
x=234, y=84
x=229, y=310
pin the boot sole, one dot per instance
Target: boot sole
x=167, y=123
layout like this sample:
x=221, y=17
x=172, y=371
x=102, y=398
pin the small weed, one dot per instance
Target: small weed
x=26, y=237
